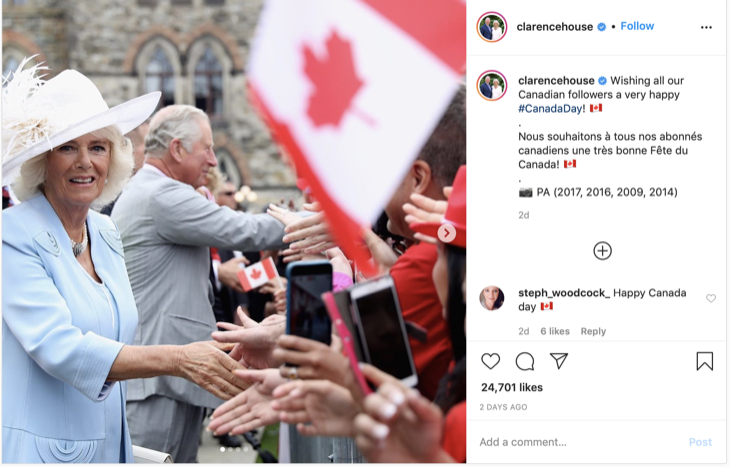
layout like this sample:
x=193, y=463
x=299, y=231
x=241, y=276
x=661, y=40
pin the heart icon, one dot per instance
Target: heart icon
x=710, y=298
x=490, y=360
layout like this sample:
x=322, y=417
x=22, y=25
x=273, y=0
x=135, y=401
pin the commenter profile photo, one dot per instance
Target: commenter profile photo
x=492, y=85
x=491, y=298
x=492, y=26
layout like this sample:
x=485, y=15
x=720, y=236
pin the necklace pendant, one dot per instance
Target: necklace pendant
x=79, y=248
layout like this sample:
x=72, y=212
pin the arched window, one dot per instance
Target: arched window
x=158, y=68
x=228, y=166
x=10, y=65
x=13, y=55
x=208, y=84
x=160, y=76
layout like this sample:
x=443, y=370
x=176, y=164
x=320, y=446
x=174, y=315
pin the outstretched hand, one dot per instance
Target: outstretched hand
x=426, y=210
x=283, y=215
x=318, y=408
x=339, y=261
x=310, y=235
x=398, y=424
x=206, y=364
x=256, y=341
x=382, y=253
x=314, y=360
x=252, y=408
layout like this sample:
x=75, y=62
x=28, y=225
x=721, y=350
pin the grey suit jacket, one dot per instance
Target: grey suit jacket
x=166, y=228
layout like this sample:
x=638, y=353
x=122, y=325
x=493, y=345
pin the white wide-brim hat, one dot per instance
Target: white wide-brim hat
x=39, y=115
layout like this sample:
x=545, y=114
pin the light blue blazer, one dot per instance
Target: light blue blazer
x=59, y=343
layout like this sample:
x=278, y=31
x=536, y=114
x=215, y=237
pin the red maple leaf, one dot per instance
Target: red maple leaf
x=335, y=81
x=255, y=274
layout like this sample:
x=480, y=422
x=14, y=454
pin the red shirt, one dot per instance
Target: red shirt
x=454, y=441
x=420, y=304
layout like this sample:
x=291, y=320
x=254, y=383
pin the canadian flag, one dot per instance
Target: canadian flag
x=569, y=164
x=257, y=274
x=546, y=306
x=352, y=89
x=597, y=108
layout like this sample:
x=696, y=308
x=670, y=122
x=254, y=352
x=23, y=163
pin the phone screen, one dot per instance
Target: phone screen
x=383, y=335
x=309, y=317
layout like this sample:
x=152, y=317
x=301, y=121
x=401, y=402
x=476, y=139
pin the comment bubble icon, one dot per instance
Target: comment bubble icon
x=525, y=362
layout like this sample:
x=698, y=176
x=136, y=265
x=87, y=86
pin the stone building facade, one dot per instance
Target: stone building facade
x=194, y=51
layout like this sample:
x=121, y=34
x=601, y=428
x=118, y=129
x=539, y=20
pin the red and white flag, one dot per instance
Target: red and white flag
x=597, y=108
x=257, y=274
x=352, y=89
x=546, y=306
x=569, y=164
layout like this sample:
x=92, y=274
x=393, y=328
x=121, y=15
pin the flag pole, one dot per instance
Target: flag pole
x=278, y=277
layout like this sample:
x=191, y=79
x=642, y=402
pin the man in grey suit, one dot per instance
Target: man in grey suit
x=167, y=229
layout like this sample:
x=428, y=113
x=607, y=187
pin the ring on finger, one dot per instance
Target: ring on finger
x=293, y=373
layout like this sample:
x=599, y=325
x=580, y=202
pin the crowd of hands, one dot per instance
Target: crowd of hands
x=393, y=424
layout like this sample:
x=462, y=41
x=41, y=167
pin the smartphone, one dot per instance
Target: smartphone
x=338, y=306
x=382, y=329
x=306, y=315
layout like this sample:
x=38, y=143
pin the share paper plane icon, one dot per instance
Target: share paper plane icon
x=559, y=358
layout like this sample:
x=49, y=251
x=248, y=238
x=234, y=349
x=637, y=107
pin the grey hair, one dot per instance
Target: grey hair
x=33, y=173
x=173, y=122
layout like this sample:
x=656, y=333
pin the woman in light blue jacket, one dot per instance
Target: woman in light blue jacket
x=69, y=315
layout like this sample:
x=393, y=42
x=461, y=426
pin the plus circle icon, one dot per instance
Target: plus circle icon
x=602, y=251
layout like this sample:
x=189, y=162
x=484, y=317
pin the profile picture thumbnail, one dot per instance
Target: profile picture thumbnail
x=491, y=298
x=492, y=26
x=492, y=85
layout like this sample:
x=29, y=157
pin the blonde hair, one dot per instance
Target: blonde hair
x=33, y=173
